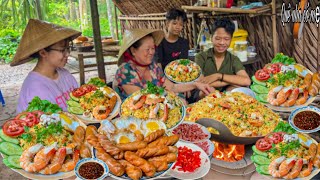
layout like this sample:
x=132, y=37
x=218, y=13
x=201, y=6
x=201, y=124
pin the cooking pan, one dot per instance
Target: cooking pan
x=225, y=135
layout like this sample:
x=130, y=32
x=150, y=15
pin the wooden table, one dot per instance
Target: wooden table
x=111, y=50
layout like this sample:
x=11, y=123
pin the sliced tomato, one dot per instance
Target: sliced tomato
x=37, y=114
x=28, y=117
x=273, y=68
x=78, y=92
x=263, y=144
x=276, y=137
x=262, y=75
x=14, y=127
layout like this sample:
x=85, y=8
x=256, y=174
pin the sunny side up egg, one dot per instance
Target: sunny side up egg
x=152, y=125
x=68, y=123
x=132, y=125
x=123, y=138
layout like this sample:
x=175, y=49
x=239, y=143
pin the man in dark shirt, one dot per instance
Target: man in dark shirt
x=172, y=46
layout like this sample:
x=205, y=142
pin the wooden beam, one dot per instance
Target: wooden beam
x=142, y=18
x=97, y=38
x=226, y=10
x=274, y=28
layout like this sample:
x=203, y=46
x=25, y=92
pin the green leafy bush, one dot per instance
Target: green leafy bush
x=9, y=41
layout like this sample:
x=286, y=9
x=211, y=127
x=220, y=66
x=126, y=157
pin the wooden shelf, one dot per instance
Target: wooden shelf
x=199, y=9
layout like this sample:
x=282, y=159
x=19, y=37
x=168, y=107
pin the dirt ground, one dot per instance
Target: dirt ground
x=11, y=79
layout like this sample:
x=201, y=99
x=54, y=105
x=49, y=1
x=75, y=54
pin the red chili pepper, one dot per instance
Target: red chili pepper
x=187, y=160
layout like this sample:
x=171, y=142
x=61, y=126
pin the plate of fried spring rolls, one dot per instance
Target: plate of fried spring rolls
x=147, y=158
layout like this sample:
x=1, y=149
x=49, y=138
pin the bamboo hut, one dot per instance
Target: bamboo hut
x=306, y=50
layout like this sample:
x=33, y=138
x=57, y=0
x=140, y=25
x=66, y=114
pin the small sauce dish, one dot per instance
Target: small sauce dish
x=305, y=119
x=91, y=168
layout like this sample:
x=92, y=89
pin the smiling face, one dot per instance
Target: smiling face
x=145, y=52
x=175, y=26
x=221, y=40
x=57, y=54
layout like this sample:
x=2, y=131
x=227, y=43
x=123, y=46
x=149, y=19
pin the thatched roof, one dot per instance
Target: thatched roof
x=137, y=7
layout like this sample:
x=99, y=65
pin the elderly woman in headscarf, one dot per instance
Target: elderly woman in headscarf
x=136, y=67
x=49, y=80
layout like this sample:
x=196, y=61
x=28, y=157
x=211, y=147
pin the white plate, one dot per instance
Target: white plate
x=301, y=109
x=181, y=82
x=198, y=173
x=211, y=146
x=204, y=129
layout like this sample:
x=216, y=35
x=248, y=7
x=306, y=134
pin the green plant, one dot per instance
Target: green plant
x=9, y=41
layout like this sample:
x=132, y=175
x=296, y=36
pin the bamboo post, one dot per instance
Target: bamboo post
x=116, y=21
x=97, y=38
x=274, y=28
x=194, y=24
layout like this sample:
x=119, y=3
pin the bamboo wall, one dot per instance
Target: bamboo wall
x=305, y=50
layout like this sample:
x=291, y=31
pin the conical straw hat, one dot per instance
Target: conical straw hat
x=38, y=35
x=133, y=35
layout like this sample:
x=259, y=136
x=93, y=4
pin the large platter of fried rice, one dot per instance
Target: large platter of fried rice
x=242, y=114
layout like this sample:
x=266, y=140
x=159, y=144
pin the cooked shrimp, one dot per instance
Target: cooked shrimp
x=256, y=119
x=306, y=171
x=316, y=159
x=292, y=98
x=295, y=171
x=272, y=95
x=280, y=166
x=225, y=105
x=153, y=99
x=246, y=133
x=56, y=162
x=137, y=102
x=27, y=158
x=100, y=112
x=43, y=157
x=303, y=99
x=154, y=111
x=283, y=95
x=71, y=163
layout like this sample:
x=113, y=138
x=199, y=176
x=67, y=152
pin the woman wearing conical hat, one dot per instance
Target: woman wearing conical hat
x=49, y=44
x=136, y=67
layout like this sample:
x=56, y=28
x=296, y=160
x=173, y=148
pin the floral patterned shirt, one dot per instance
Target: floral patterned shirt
x=127, y=74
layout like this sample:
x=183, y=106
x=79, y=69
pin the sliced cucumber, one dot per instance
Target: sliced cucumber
x=8, y=138
x=263, y=169
x=6, y=162
x=259, y=89
x=10, y=149
x=258, y=152
x=262, y=98
x=75, y=110
x=261, y=160
x=14, y=161
x=258, y=82
x=73, y=97
x=73, y=103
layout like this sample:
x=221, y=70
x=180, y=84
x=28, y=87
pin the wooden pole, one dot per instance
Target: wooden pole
x=274, y=28
x=97, y=38
x=116, y=21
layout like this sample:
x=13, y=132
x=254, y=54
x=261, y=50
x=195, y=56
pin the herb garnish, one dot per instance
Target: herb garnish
x=281, y=58
x=153, y=89
x=184, y=62
x=281, y=78
x=26, y=135
x=43, y=132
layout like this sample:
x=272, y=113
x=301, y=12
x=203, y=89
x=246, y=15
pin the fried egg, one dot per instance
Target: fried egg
x=123, y=138
x=68, y=123
x=131, y=124
x=152, y=125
